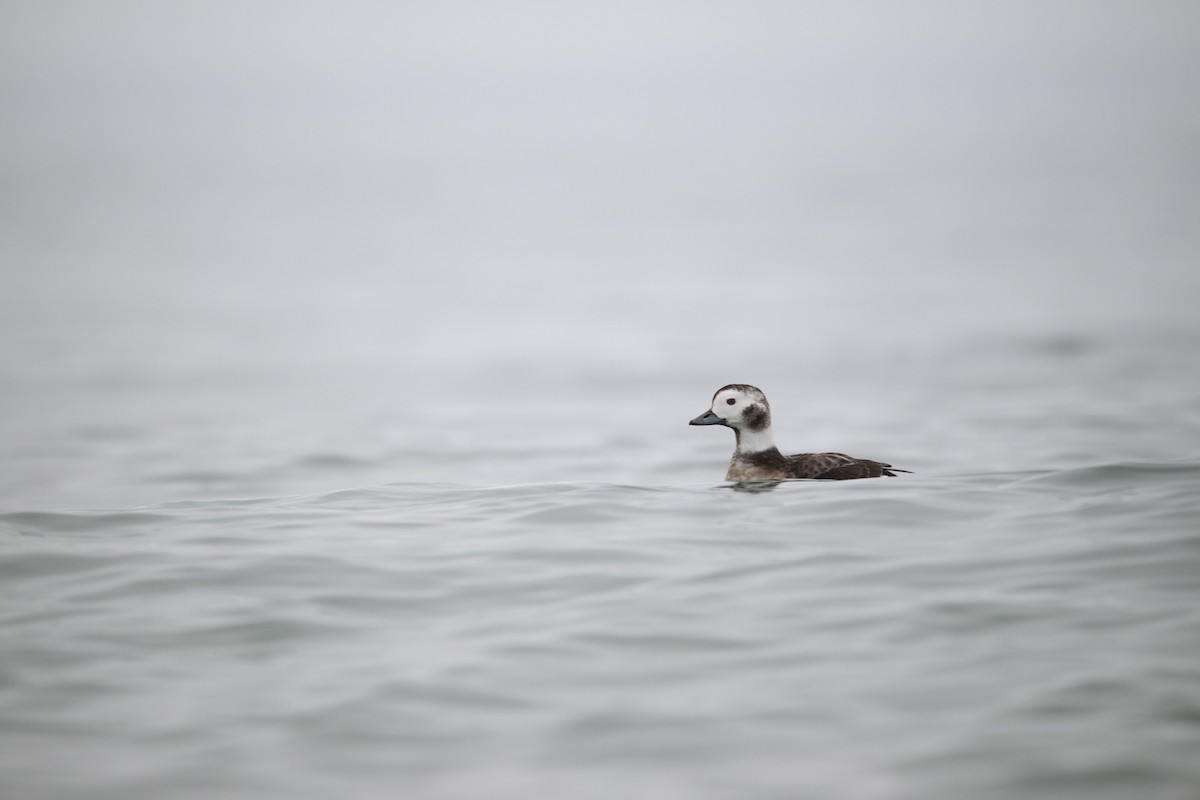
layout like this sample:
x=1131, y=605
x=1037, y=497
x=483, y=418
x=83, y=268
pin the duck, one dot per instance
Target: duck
x=756, y=458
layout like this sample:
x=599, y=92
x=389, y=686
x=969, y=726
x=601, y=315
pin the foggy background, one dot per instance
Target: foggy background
x=228, y=218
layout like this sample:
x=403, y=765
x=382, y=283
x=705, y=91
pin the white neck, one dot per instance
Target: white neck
x=755, y=441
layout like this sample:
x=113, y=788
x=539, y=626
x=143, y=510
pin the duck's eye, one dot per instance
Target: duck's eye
x=731, y=401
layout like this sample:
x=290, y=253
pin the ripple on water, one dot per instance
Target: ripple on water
x=939, y=631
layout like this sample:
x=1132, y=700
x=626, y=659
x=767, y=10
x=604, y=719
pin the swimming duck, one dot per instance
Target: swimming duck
x=756, y=458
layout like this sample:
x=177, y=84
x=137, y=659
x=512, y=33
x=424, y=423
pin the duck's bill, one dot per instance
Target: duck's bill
x=707, y=418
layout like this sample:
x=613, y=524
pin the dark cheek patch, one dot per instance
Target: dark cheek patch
x=756, y=417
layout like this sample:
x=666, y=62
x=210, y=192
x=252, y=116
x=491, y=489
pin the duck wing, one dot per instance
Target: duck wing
x=838, y=467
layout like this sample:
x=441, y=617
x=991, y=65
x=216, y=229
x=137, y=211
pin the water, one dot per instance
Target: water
x=990, y=634
x=969, y=630
x=346, y=359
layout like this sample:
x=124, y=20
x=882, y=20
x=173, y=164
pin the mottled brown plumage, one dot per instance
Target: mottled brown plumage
x=745, y=409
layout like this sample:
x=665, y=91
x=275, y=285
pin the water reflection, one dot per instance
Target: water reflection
x=756, y=487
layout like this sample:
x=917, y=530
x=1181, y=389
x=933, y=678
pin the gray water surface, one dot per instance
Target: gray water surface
x=990, y=634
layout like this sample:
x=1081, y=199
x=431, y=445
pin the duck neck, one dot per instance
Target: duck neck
x=749, y=441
